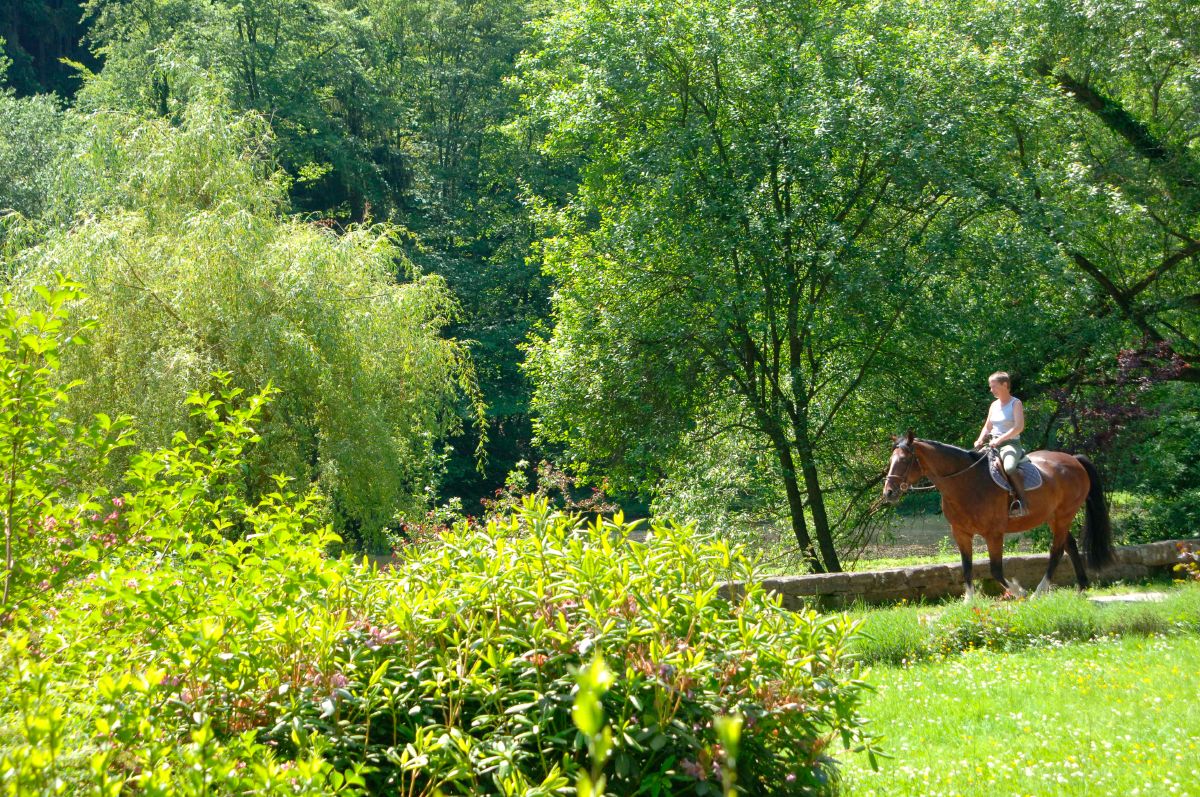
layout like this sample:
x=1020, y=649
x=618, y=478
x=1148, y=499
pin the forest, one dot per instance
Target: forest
x=406, y=397
x=704, y=259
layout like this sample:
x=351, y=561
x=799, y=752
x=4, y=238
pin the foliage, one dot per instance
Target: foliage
x=559, y=489
x=32, y=144
x=209, y=645
x=544, y=594
x=471, y=165
x=191, y=268
x=137, y=676
x=778, y=236
x=1109, y=156
x=43, y=454
x=392, y=109
x=307, y=66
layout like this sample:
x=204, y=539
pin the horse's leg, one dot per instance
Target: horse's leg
x=995, y=544
x=965, y=543
x=1062, y=533
x=1077, y=560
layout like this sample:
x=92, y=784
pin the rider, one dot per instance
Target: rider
x=1004, y=424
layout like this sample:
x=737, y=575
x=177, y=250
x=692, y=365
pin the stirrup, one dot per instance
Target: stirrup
x=1017, y=509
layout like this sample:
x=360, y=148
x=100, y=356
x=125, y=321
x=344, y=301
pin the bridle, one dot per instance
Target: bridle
x=904, y=485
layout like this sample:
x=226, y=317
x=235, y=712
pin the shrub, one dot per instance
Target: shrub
x=472, y=673
x=42, y=452
x=213, y=648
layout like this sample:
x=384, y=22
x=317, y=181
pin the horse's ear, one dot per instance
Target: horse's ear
x=909, y=436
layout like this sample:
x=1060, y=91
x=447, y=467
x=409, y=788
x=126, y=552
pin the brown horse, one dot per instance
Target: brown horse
x=973, y=504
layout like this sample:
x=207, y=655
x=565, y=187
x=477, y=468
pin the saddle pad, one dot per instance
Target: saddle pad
x=1033, y=476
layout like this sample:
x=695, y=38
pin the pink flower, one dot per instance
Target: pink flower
x=118, y=502
x=49, y=523
x=338, y=681
x=112, y=516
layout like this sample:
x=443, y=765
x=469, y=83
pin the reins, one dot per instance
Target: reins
x=909, y=488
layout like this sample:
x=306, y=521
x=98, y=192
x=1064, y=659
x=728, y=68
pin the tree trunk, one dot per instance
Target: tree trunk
x=816, y=499
x=796, y=503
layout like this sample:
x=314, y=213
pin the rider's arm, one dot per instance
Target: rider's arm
x=983, y=433
x=1018, y=424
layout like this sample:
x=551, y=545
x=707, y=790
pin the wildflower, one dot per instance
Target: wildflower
x=118, y=502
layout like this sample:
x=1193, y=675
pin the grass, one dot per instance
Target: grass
x=1117, y=716
x=921, y=632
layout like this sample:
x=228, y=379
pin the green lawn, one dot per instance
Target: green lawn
x=1112, y=717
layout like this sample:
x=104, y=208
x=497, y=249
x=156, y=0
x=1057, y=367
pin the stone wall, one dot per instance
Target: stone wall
x=931, y=582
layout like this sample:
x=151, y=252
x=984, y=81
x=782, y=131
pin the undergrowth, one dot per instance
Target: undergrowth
x=913, y=633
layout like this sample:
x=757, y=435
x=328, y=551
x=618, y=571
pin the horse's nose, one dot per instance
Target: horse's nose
x=889, y=495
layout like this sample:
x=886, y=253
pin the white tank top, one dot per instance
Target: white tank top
x=1001, y=416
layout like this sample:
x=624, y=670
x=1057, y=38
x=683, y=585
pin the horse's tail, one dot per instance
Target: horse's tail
x=1097, y=531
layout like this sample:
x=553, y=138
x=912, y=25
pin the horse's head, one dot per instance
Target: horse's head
x=903, y=470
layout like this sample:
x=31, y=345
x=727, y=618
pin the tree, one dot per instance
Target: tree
x=192, y=269
x=42, y=36
x=756, y=216
x=308, y=66
x=1104, y=102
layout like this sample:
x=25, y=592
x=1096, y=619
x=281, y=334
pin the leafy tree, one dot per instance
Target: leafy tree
x=449, y=64
x=192, y=269
x=754, y=222
x=32, y=142
x=306, y=65
x=396, y=109
x=42, y=37
x=1101, y=103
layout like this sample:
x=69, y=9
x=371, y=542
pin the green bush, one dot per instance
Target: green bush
x=209, y=646
x=474, y=669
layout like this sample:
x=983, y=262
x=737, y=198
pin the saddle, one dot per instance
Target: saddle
x=1033, y=476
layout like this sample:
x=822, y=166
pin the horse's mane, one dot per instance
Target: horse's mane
x=946, y=448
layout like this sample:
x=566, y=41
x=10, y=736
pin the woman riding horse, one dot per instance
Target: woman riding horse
x=974, y=504
x=1004, y=424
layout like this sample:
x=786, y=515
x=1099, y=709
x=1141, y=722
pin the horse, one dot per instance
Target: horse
x=973, y=504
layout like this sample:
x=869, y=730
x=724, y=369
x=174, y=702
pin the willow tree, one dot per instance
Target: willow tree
x=192, y=268
x=755, y=218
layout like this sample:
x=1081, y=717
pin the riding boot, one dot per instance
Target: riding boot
x=1020, y=506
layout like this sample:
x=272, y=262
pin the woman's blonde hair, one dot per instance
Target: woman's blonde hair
x=1001, y=376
